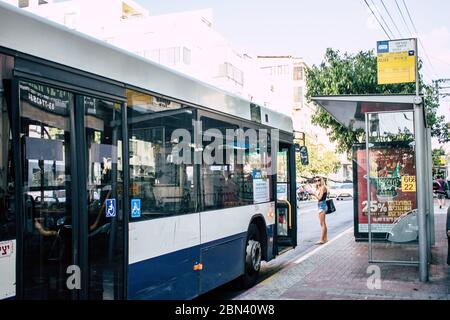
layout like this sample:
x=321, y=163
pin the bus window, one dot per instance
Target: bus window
x=236, y=168
x=163, y=186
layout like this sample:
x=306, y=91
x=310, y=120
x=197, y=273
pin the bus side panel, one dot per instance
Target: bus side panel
x=223, y=238
x=168, y=277
x=162, y=255
x=7, y=269
x=222, y=261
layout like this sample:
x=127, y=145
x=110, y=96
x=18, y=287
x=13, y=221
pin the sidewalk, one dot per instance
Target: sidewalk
x=338, y=270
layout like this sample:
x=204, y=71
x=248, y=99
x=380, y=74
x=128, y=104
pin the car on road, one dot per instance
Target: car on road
x=345, y=190
x=333, y=191
x=302, y=193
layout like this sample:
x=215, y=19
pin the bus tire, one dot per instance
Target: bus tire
x=252, y=257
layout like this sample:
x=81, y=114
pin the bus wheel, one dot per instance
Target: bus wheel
x=253, y=254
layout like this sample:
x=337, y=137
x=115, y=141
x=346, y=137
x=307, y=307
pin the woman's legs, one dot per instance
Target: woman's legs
x=323, y=224
x=441, y=201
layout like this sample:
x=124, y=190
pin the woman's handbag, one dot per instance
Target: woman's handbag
x=331, y=207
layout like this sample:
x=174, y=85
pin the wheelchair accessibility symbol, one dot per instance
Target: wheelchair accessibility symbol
x=135, y=208
x=110, y=208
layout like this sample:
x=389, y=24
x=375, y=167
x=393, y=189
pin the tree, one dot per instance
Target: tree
x=438, y=167
x=357, y=74
x=321, y=161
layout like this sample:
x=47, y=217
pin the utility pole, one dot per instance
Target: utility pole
x=438, y=87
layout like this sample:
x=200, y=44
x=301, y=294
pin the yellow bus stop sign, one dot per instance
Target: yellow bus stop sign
x=397, y=61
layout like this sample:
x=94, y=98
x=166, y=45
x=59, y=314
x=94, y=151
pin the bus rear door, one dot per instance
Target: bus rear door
x=286, y=204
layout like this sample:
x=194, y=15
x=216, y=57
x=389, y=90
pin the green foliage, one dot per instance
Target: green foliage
x=436, y=159
x=321, y=161
x=357, y=74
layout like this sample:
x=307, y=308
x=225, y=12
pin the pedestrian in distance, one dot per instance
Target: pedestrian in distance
x=321, y=196
x=441, y=193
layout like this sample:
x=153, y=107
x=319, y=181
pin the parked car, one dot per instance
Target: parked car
x=333, y=191
x=302, y=193
x=345, y=191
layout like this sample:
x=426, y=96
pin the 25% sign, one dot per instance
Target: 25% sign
x=375, y=207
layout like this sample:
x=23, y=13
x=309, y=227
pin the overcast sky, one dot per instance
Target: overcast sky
x=305, y=28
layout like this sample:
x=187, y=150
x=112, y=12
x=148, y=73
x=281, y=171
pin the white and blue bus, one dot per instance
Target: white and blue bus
x=93, y=204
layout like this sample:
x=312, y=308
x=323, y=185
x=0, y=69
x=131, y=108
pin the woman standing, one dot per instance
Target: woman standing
x=321, y=196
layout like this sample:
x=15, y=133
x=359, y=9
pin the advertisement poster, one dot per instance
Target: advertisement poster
x=392, y=186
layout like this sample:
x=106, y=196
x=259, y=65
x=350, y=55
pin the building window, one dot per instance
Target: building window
x=231, y=72
x=171, y=56
x=186, y=56
x=267, y=71
x=298, y=95
x=298, y=73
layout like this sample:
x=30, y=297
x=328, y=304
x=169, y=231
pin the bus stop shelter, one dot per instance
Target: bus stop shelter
x=393, y=199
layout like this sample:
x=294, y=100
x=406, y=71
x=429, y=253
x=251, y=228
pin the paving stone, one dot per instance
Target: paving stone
x=339, y=272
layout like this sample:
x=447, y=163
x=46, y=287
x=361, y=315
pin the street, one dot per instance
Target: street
x=308, y=234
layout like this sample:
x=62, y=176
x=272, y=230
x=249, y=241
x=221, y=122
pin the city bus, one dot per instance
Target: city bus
x=94, y=203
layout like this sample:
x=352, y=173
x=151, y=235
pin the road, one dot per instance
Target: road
x=308, y=235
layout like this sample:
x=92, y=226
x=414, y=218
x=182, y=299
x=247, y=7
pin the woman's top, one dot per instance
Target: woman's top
x=324, y=196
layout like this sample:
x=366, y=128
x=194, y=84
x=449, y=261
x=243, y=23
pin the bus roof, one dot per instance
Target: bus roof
x=30, y=34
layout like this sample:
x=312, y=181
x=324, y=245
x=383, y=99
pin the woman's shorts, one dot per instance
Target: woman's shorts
x=322, y=205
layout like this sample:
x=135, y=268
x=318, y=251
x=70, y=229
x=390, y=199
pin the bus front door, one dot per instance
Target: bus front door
x=286, y=204
x=72, y=238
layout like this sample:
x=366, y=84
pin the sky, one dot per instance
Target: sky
x=305, y=28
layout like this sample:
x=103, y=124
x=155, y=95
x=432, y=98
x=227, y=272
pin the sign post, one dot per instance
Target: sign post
x=397, y=61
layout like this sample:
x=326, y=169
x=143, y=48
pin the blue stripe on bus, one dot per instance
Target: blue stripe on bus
x=171, y=276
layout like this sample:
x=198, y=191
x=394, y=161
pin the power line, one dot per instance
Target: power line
x=390, y=16
x=382, y=18
x=403, y=17
x=417, y=35
x=409, y=15
x=382, y=27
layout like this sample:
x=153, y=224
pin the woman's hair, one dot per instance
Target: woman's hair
x=322, y=182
